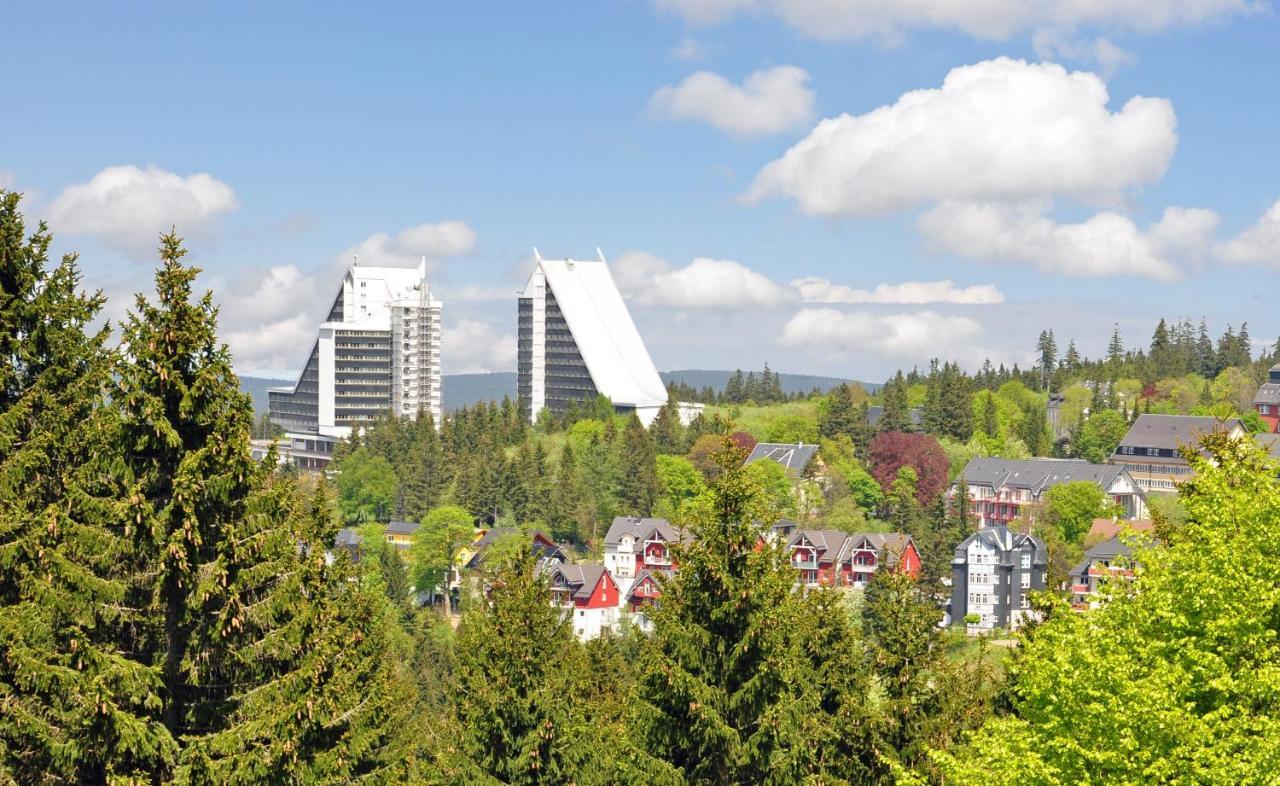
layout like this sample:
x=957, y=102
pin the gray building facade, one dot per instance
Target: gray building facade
x=992, y=574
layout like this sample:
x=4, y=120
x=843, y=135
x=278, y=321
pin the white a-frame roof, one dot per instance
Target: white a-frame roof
x=602, y=327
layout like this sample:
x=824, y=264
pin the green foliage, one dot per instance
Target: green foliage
x=1101, y=435
x=366, y=487
x=679, y=483
x=792, y=429
x=1171, y=682
x=638, y=479
x=516, y=660
x=777, y=488
x=436, y=543
x=1071, y=508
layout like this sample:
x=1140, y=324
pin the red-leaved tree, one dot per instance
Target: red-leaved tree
x=891, y=450
x=744, y=441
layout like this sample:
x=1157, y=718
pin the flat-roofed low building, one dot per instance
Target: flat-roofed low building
x=1152, y=450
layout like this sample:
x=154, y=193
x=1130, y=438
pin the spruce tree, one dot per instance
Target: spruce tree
x=75, y=706
x=269, y=667
x=666, y=430
x=723, y=697
x=638, y=478
x=840, y=414
x=896, y=413
x=512, y=692
x=426, y=473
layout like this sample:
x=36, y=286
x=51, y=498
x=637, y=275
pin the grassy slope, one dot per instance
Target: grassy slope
x=755, y=420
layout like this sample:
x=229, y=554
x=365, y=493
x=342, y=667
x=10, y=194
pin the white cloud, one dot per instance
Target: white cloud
x=768, y=102
x=473, y=347
x=1106, y=244
x=999, y=129
x=702, y=284
x=689, y=49
x=711, y=284
x=813, y=289
x=433, y=241
x=127, y=208
x=1060, y=45
x=988, y=19
x=1259, y=244
x=905, y=337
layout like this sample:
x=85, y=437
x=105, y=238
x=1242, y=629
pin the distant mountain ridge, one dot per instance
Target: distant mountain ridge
x=462, y=390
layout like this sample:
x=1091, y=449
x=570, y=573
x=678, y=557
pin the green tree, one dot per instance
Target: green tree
x=896, y=413
x=436, y=543
x=838, y=413
x=366, y=487
x=1100, y=436
x=74, y=706
x=638, y=478
x=513, y=684
x=1165, y=683
x=1071, y=508
x=680, y=483
x=792, y=429
x=668, y=433
x=723, y=697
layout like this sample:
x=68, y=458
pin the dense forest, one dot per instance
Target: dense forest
x=173, y=611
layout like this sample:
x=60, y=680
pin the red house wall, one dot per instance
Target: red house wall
x=599, y=599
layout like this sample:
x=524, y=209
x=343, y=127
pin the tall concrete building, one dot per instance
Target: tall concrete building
x=577, y=341
x=378, y=351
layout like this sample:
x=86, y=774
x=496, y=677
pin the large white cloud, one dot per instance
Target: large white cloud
x=472, y=347
x=1000, y=129
x=989, y=19
x=433, y=241
x=906, y=337
x=768, y=102
x=1259, y=244
x=702, y=284
x=711, y=284
x=127, y=208
x=1106, y=244
x=813, y=289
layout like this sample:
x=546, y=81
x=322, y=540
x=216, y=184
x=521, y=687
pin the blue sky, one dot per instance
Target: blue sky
x=283, y=139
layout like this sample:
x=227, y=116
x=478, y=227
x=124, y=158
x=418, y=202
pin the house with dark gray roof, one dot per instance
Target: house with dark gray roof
x=1267, y=400
x=992, y=574
x=589, y=597
x=795, y=457
x=400, y=533
x=634, y=543
x=1152, y=450
x=1002, y=490
x=832, y=558
x=1270, y=443
x=1109, y=560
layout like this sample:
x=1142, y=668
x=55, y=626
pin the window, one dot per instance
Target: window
x=1264, y=409
x=1026, y=581
x=1026, y=561
x=581, y=613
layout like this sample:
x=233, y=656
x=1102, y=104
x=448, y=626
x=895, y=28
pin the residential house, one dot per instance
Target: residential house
x=1151, y=451
x=831, y=558
x=1002, y=490
x=546, y=552
x=1108, y=560
x=1270, y=443
x=400, y=533
x=643, y=595
x=992, y=573
x=634, y=543
x=589, y=596
x=796, y=458
x=1267, y=400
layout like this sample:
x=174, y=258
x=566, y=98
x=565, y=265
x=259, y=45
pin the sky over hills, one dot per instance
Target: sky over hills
x=837, y=187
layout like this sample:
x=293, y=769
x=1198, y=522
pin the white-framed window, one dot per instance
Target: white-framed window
x=1026, y=580
x=1026, y=561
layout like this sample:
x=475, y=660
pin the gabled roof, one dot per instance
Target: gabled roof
x=793, y=456
x=1037, y=474
x=890, y=546
x=1170, y=432
x=395, y=527
x=1006, y=543
x=1268, y=394
x=581, y=579
x=1270, y=443
x=828, y=542
x=640, y=528
x=658, y=577
x=546, y=549
x=1107, y=551
x=607, y=339
x=348, y=538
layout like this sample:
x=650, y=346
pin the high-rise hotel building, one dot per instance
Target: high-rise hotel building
x=378, y=351
x=577, y=340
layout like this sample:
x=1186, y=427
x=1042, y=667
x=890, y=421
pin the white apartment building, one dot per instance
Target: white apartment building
x=378, y=351
x=577, y=341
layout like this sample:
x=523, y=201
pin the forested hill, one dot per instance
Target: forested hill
x=462, y=390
